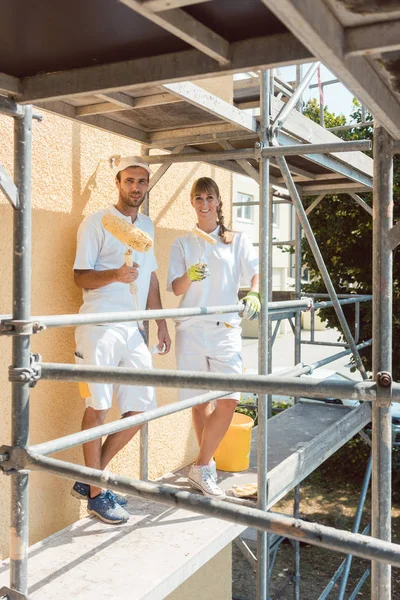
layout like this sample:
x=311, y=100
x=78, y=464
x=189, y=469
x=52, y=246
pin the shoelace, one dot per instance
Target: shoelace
x=108, y=495
x=207, y=478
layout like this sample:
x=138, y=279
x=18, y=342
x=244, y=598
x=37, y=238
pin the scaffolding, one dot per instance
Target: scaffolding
x=271, y=148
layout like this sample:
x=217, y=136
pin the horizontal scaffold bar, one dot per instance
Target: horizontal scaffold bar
x=94, y=433
x=73, y=320
x=343, y=301
x=88, y=435
x=262, y=384
x=319, y=535
x=256, y=153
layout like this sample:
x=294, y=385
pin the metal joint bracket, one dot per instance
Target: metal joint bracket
x=14, y=327
x=310, y=367
x=13, y=459
x=11, y=594
x=258, y=146
x=29, y=374
x=384, y=392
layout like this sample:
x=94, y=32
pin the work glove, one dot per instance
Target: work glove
x=252, y=306
x=198, y=272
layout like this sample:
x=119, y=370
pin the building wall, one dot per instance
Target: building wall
x=281, y=228
x=212, y=582
x=71, y=178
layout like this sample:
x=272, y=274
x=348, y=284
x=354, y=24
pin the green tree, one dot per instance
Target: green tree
x=343, y=231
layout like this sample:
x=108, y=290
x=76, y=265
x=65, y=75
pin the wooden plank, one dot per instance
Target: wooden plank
x=318, y=28
x=212, y=104
x=127, y=102
x=182, y=25
x=308, y=131
x=246, y=166
x=300, y=439
x=66, y=110
x=123, y=100
x=299, y=464
x=336, y=162
x=372, y=39
x=256, y=53
x=160, y=5
x=9, y=85
x=199, y=134
x=97, y=109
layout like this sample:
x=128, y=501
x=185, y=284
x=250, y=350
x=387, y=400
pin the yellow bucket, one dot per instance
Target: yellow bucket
x=233, y=453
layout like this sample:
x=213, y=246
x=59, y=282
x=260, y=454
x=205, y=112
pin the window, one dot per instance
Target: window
x=275, y=215
x=244, y=212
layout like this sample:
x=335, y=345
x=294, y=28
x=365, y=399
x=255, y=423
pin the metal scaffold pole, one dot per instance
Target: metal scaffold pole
x=22, y=248
x=297, y=359
x=262, y=537
x=382, y=356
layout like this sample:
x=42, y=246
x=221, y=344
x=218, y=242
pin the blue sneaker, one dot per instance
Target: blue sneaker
x=81, y=491
x=107, y=509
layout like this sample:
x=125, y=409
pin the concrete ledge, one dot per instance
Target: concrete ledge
x=144, y=559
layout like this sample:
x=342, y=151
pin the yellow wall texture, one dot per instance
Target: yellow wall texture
x=71, y=178
x=212, y=582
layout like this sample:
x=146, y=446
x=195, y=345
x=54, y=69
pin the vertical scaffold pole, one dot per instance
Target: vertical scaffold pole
x=144, y=432
x=22, y=248
x=262, y=537
x=382, y=355
x=297, y=359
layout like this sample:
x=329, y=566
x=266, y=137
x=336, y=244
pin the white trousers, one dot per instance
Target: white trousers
x=209, y=346
x=114, y=346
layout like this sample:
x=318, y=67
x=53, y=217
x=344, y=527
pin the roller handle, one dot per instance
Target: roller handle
x=132, y=286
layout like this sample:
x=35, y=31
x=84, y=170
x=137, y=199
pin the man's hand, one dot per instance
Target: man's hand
x=252, y=306
x=163, y=337
x=128, y=274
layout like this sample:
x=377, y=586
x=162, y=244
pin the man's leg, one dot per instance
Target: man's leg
x=116, y=441
x=92, y=451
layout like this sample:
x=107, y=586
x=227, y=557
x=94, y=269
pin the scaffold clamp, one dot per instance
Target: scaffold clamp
x=10, y=594
x=16, y=327
x=29, y=374
x=384, y=389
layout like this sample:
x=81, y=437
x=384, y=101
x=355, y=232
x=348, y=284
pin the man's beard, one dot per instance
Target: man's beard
x=132, y=201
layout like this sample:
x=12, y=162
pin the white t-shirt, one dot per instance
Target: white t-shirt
x=229, y=266
x=98, y=250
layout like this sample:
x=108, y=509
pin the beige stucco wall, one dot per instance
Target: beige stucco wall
x=212, y=582
x=71, y=178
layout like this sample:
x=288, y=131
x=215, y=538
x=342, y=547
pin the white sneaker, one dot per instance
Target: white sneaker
x=213, y=469
x=202, y=479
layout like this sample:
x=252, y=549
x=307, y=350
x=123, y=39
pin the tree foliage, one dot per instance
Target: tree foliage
x=343, y=231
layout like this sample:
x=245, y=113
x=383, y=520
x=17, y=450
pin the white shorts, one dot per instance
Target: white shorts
x=108, y=346
x=209, y=346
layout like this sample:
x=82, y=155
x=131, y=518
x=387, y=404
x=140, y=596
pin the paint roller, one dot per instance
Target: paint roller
x=133, y=238
x=199, y=233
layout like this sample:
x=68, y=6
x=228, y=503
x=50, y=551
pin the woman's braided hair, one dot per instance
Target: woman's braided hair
x=206, y=185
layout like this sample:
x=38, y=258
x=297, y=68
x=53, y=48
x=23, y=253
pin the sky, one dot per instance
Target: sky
x=337, y=97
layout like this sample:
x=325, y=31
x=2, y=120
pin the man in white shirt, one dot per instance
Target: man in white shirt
x=101, y=273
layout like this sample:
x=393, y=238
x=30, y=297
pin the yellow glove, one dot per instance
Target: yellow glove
x=197, y=272
x=252, y=306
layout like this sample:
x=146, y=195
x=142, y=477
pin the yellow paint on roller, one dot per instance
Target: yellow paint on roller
x=204, y=236
x=127, y=233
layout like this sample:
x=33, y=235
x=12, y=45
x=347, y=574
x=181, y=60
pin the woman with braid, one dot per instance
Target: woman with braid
x=207, y=274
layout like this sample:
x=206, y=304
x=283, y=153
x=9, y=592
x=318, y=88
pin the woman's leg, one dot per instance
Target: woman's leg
x=200, y=415
x=216, y=424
